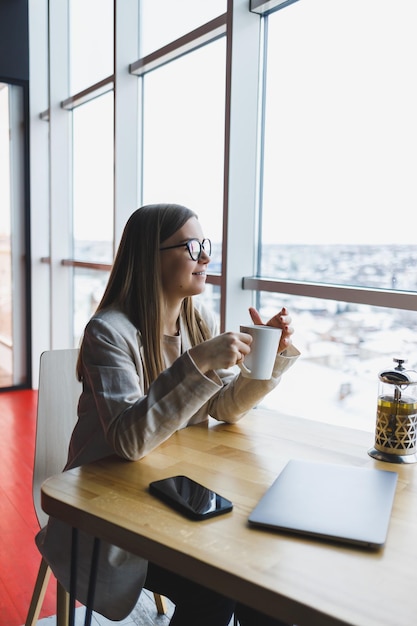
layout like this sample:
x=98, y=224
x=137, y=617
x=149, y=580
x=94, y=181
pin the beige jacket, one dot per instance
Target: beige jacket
x=115, y=416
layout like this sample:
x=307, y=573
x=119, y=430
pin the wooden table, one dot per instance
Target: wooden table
x=302, y=581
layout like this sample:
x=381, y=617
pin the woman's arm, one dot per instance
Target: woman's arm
x=239, y=394
x=132, y=422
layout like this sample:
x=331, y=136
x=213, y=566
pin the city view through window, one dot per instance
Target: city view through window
x=344, y=345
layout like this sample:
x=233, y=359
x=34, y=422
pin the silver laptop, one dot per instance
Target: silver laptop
x=333, y=502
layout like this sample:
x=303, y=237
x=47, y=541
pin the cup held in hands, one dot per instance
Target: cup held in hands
x=259, y=363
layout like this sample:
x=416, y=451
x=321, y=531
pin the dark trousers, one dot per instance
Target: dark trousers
x=195, y=604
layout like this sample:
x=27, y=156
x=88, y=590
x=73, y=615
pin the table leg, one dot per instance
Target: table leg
x=73, y=576
x=92, y=581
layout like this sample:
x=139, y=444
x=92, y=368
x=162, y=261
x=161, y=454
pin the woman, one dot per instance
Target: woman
x=151, y=363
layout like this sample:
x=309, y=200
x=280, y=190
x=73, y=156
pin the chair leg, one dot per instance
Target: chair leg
x=62, y=605
x=38, y=595
x=62, y=599
x=160, y=604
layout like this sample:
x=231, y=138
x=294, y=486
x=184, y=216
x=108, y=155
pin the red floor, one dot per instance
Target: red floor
x=19, y=557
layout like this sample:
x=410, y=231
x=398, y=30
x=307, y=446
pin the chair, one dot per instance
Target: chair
x=58, y=395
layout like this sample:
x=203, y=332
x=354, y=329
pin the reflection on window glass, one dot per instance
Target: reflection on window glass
x=89, y=287
x=93, y=180
x=344, y=347
x=6, y=345
x=184, y=137
x=91, y=42
x=340, y=189
x=165, y=20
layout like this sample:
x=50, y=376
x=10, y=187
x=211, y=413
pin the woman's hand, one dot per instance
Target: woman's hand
x=280, y=320
x=223, y=351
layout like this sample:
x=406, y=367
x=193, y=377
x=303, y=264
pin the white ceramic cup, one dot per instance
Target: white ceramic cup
x=259, y=363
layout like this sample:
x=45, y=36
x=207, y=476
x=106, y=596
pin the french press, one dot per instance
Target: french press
x=396, y=417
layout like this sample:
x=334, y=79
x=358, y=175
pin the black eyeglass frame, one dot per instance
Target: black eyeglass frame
x=186, y=244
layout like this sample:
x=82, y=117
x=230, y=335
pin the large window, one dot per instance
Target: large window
x=5, y=246
x=339, y=187
x=91, y=60
x=340, y=144
x=93, y=191
x=13, y=252
x=93, y=159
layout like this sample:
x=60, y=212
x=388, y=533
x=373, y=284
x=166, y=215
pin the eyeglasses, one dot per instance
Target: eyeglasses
x=195, y=248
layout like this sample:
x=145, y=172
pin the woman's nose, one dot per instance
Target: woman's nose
x=204, y=257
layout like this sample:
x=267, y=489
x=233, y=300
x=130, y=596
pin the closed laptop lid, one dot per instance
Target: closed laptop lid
x=329, y=501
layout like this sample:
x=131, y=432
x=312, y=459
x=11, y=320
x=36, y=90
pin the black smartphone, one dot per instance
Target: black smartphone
x=189, y=497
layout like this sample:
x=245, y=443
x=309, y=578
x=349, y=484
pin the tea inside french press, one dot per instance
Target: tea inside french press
x=396, y=419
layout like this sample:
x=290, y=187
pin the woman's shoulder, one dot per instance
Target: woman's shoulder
x=112, y=318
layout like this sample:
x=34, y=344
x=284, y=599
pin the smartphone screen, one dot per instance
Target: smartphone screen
x=190, y=498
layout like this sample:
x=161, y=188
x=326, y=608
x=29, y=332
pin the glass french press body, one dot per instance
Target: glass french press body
x=396, y=419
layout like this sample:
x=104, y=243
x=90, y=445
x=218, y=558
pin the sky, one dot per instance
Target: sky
x=341, y=127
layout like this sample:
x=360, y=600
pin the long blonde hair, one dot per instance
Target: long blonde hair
x=135, y=287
